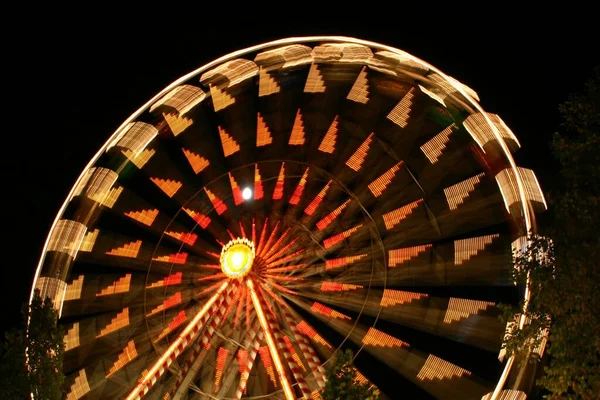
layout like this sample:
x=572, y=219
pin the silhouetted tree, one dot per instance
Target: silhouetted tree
x=564, y=265
x=342, y=383
x=32, y=356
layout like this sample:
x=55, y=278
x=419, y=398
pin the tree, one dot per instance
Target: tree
x=342, y=383
x=32, y=357
x=563, y=264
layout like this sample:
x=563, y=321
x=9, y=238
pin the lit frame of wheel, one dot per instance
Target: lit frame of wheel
x=244, y=267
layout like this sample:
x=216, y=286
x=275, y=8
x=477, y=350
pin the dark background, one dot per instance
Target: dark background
x=72, y=76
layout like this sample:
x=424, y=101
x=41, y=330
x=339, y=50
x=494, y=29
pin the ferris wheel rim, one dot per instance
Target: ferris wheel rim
x=529, y=223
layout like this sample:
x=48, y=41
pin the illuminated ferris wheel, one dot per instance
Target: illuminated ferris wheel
x=283, y=202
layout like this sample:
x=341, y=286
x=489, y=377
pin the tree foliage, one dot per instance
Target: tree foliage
x=563, y=265
x=32, y=357
x=342, y=381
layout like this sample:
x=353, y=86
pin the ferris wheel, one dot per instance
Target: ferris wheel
x=283, y=202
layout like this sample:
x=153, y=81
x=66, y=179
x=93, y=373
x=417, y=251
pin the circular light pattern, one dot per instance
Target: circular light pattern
x=237, y=257
x=385, y=210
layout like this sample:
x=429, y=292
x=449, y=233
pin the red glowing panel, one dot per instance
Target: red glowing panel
x=202, y=220
x=118, y=322
x=314, y=80
x=433, y=148
x=360, y=90
x=328, y=143
x=342, y=262
x=322, y=224
x=466, y=248
x=393, y=218
x=268, y=363
x=398, y=256
x=169, y=186
x=173, y=279
x=357, y=159
x=188, y=238
x=335, y=239
x=146, y=217
x=79, y=387
x=456, y=194
x=278, y=192
x=263, y=135
x=242, y=359
x=128, y=354
x=375, y=337
x=295, y=199
x=230, y=146
x=237, y=192
x=120, y=286
x=197, y=162
x=217, y=203
x=459, y=309
x=338, y=287
x=128, y=250
x=176, y=258
x=328, y=312
x=312, y=207
x=436, y=368
x=222, y=354
x=399, y=115
x=307, y=330
x=297, y=136
x=378, y=186
x=392, y=297
x=170, y=302
x=258, y=186
x=294, y=354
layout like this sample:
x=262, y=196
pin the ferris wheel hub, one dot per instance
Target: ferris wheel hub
x=237, y=257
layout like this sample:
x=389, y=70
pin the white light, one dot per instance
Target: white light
x=247, y=193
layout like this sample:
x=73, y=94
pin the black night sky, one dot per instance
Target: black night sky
x=71, y=81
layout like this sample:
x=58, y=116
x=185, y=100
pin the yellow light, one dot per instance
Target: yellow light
x=237, y=257
x=287, y=389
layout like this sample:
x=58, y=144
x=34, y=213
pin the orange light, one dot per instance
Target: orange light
x=289, y=395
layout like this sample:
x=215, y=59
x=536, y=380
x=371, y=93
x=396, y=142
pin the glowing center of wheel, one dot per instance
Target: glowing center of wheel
x=237, y=257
